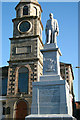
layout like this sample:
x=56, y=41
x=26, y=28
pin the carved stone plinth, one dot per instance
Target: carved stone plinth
x=51, y=55
x=50, y=117
x=50, y=98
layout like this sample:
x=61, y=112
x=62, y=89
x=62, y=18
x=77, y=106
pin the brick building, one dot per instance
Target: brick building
x=21, y=96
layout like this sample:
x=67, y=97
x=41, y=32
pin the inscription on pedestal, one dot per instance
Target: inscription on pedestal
x=49, y=94
x=50, y=64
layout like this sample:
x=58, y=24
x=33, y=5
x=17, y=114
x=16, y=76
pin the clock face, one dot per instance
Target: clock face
x=24, y=26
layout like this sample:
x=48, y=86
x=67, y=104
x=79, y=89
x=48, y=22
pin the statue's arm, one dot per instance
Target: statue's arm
x=57, y=27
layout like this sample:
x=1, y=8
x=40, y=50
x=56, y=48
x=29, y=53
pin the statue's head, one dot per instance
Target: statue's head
x=51, y=16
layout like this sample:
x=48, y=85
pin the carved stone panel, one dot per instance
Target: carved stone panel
x=49, y=94
x=20, y=50
x=50, y=64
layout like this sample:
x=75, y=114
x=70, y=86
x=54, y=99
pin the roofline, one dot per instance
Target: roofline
x=70, y=66
x=4, y=67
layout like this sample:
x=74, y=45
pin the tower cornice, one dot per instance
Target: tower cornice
x=23, y=60
x=33, y=36
x=28, y=2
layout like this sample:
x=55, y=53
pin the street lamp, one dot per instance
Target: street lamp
x=77, y=67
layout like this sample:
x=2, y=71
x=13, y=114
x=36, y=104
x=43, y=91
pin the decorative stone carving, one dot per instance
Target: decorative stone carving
x=51, y=30
x=50, y=64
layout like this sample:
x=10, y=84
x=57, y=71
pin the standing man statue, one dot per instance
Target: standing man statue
x=51, y=30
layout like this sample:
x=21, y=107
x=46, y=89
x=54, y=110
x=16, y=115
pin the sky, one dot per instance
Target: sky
x=66, y=14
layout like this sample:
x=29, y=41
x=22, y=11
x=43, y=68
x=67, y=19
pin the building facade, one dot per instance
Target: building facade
x=64, y=67
x=67, y=74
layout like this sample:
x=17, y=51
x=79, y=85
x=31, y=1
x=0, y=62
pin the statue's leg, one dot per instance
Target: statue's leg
x=49, y=36
x=54, y=37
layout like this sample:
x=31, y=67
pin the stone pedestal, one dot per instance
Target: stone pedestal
x=51, y=99
x=50, y=117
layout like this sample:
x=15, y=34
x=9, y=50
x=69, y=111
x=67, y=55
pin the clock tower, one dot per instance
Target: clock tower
x=26, y=60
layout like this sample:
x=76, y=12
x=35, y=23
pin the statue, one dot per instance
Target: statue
x=51, y=30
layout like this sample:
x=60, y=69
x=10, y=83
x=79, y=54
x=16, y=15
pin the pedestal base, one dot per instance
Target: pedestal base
x=50, y=117
x=50, y=98
x=50, y=78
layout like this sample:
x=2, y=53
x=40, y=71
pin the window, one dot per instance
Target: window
x=8, y=110
x=66, y=68
x=66, y=72
x=35, y=11
x=66, y=76
x=13, y=50
x=4, y=86
x=25, y=10
x=23, y=75
x=4, y=110
x=18, y=12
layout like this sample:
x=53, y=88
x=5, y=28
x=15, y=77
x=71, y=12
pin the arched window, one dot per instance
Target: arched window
x=4, y=86
x=25, y=10
x=23, y=76
x=35, y=11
